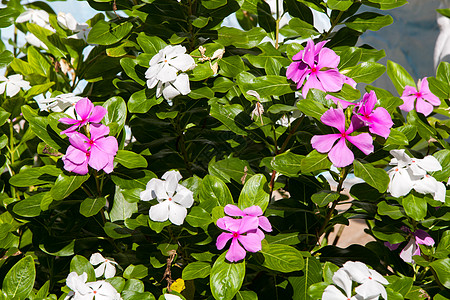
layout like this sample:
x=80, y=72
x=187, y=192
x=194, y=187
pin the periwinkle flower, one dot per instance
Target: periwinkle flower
x=252, y=211
x=12, y=84
x=339, y=153
x=318, y=66
x=422, y=98
x=86, y=113
x=418, y=237
x=105, y=267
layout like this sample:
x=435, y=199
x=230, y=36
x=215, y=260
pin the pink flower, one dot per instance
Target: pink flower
x=318, y=66
x=418, y=237
x=97, y=151
x=339, y=154
x=86, y=113
x=252, y=211
x=343, y=103
x=241, y=232
x=379, y=120
x=425, y=99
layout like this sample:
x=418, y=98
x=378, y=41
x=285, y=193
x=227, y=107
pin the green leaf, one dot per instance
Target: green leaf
x=443, y=156
x=214, y=192
x=131, y=179
x=312, y=273
x=368, y=21
x=283, y=238
x=341, y=5
x=213, y=4
x=386, y=4
x=141, y=101
x=129, y=66
x=136, y=272
x=228, y=115
x=287, y=163
x=231, y=168
x=116, y=113
x=6, y=57
x=31, y=206
x=396, y=137
x=19, y=280
x=150, y=44
x=255, y=192
x=265, y=86
x=231, y=66
x=349, y=58
x=66, y=184
x=322, y=198
x=423, y=128
x=204, y=92
x=90, y=207
x=121, y=209
x=399, y=77
x=366, y=72
x=402, y=285
x=80, y=265
x=198, y=269
x=300, y=10
x=228, y=36
x=106, y=33
x=376, y=177
x=311, y=108
x=441, y=268
x=246, y=295
x=282, y=258
x=35, y=176
x=130, y=159
x=315, y=161
x=7, y=16
x=201, y=22
x=38, y=62
x=198, y=217
x=392, y=211
x=415, y=207
x=226, y=278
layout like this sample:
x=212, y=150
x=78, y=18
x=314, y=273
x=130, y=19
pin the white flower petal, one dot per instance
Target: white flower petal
x=357, y=271
x=170, y=92
x=429, y=163
x=407, y=252
x=171, y=297
x=172, y=173
x=100, y=270
x=110, y=270
x=182, y=84
x=96, y=259
x=177, y=213
x=182, y=62
x=400, y=183
x=167, y=73
x=184, y=196
x=332, y=293
x=370, y=289
x=12, y=90
x=160, y=211
x=400, y=158
x=342, y=280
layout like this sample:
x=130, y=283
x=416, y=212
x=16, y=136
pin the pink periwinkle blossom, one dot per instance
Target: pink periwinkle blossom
x=252, y=211
x=318, y=66
x=242, y=233
x=86, y=113
x=98, y=151
x=378, y=120
x=423, y=98
x=339, y=153
x=418, y=237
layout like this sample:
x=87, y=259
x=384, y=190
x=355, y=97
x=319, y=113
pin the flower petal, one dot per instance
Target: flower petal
x=160, y=211
x=334, y=118
x=251, y=242
x=363, y=142
x=233, y=210
x=340, y=155
x=222, y=240
x=324, y=143
x=177, y=213
x=236, y=252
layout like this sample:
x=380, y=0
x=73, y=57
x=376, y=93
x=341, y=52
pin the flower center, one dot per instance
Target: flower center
x=396, y=169
x=165, y=60
x=344, y=134
x=88, y=154
x=313, y=70
x=370, y=278
x=170, y=199
x=418, y=94
x=91, y=142
x=235, y=234
x=95, y=292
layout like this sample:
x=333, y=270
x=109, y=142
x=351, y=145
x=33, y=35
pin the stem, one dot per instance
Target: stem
x=99, y=191
x=293, y=130
x=183, y=146
x=86, y=191
x=333, y=24
x=344, y=174
x=277, y=25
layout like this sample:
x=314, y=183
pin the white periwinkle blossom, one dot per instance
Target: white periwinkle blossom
x=35, y=16
x=106, y=267
x=67, y=21
x=164, y=72
x=173, y=198
x=411, y=173
x=370, y=288
x=12, y=84
x=61, y=103
x=82, y=290
x=171, y=297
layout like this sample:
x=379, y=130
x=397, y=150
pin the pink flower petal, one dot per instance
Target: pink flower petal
x=222, y=240
x=408, y=103
x=423, y=238
x=331, y=80
x=324, y=143
x=98, y=160
x=253, y=211
x=327, y=59
x=340, y=155
x=248, y=223
x=264, y=224
x=334, y=118
x=98, y=131
x=311, y=83
x=309, y=53
x=251, y=242
x=84, y=108
x=106, y=145
x=424, y=107
x=233, y=210
x=363, y=142
x=97, y=115
x=236, y=252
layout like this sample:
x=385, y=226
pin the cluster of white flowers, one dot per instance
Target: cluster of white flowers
x=67, y=21
x=42, y=18
x=60, y=103
x=412, y=173
x=370, y=288
x=98, y=290
x=166, y=72
x=12, y=84
x=173, y=198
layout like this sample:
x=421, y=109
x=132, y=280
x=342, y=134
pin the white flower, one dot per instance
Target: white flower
x=173, y=198
x=67, y=21
x=12, y=84
x=82, y=31
x=173, y=88
x=165, y=65
x=34, y=41
x=371, y=281
x=171, y=297
x=341, y=279
x=106, y=266
x=429, y=185
x=35, y=16
x=400, y=183
x=60, y=103
x=98, y=290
